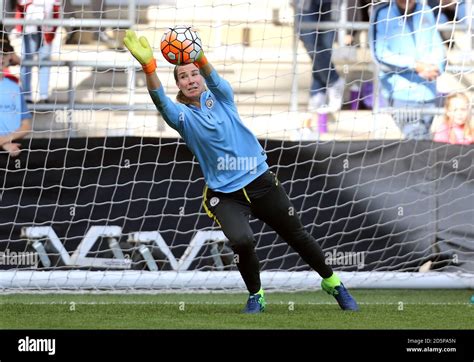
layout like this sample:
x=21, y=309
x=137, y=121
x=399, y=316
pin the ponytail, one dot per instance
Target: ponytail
x=181, y=98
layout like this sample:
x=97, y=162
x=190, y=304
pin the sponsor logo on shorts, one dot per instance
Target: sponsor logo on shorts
x=214, y=201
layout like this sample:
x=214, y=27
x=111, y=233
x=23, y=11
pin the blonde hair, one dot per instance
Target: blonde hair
x=468, y=131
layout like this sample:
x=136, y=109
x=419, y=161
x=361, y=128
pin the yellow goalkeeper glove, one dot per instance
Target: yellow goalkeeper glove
x=141, y=50
x=201, y=60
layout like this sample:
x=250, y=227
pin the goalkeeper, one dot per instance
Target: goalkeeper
x=239, y=183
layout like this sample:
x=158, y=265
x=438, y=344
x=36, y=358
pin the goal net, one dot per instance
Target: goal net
x=105, y=196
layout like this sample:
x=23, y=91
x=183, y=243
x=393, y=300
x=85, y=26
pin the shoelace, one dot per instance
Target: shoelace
x=344, y=295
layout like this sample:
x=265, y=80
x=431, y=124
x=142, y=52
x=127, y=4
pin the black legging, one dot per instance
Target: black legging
x=265, y=199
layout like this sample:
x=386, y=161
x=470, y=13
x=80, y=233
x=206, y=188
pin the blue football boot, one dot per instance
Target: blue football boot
x=255, y=303
x=342, y=295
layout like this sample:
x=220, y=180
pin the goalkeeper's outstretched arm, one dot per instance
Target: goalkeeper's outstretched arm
x=172, y=112
x=142, y=51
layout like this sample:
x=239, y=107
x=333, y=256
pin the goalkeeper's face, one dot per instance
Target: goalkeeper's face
x=190, y=81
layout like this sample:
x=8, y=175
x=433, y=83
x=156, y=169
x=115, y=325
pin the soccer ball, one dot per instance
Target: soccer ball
x=180, y=45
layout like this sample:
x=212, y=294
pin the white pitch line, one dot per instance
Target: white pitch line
x=225, y=303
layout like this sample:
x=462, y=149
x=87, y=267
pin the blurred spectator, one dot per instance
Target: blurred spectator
x=14, y=58
x=37, y=40
x=451, y=10
x=411, y=56
x=456, y=127
x=446, y=11
x=15, y=120
x=326, y=82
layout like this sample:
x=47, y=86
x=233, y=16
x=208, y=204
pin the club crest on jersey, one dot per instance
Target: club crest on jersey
x=209, y=103
x=214, y=201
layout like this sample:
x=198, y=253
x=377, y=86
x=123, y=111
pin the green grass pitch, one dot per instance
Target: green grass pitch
x=380, y=309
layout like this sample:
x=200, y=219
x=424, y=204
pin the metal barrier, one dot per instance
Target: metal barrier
x=129, y=66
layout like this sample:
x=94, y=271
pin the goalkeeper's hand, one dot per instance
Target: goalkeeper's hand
x=141, y=50
x=201, y=60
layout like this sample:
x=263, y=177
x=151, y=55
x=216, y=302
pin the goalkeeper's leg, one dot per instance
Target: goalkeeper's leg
x=276, y=210
x=231, y=212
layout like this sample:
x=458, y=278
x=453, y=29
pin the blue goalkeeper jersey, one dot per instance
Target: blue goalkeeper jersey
x=228, y=152
x=13, y=108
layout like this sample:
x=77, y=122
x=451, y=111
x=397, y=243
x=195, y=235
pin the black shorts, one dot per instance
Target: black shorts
x=254, y=191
